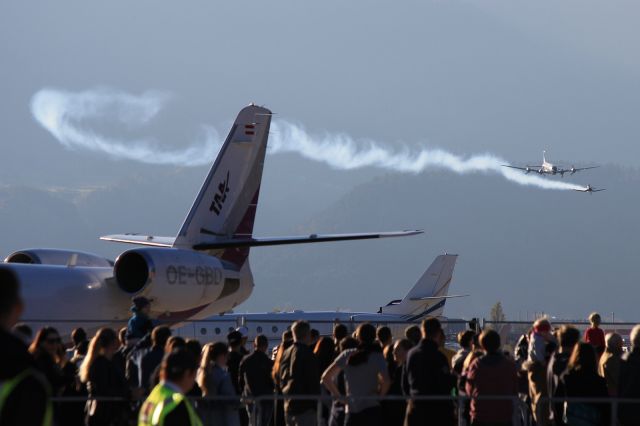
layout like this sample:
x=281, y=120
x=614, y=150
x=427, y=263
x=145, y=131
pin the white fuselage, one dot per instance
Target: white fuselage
x=548, y=168
x=68, y=297
x=273, y=324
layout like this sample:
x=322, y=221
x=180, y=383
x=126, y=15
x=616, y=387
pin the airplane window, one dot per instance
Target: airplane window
x=217, y=330
x=274, y=329
x=203, y=331
x=259, y=329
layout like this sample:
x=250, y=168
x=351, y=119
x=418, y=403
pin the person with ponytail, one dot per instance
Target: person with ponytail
x=103, y=379
x=365, y=375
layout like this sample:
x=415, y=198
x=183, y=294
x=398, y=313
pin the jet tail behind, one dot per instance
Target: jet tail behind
x=429, y=295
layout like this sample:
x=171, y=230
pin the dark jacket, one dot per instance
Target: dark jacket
x=255, y=374
x=233, y=365
x=492, y=374
x=586, y=384
x=147, y=364
x=555, y=387
x=426, y=372
x=629, y=387
x=105, y=380
x=51, y=371
x=299, y=375
x=139, y=326
x=26, y=405
x=179, y=416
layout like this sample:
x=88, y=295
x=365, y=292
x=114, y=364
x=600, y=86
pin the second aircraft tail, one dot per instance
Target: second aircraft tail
x=429, y=295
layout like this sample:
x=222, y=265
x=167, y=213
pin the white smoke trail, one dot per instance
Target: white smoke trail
x=63, y=113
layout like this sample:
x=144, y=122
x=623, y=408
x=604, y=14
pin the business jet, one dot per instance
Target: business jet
x=590, y=189
x=201, y=272
x=426, y=298
x=548, y=168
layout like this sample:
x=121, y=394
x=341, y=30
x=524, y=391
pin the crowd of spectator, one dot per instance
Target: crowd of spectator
x=142, y=374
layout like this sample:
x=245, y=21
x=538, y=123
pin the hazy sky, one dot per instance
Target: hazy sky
x=505, y=77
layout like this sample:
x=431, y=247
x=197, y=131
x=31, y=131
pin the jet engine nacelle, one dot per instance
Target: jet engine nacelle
x=174, y=279
x=58, y=257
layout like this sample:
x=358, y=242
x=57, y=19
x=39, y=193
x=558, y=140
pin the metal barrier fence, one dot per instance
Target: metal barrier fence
x=522, y=415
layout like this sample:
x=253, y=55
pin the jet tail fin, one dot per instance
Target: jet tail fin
x=429, y=295
x=225, y=207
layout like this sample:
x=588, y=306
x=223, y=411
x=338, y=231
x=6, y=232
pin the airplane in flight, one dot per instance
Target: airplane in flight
x=426, y=298
x=201, y=272
x=546, y=168
x=590, y=189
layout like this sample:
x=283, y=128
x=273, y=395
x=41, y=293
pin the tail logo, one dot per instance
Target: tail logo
x=220, y=197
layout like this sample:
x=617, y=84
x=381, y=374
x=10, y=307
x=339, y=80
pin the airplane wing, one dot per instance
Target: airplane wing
x=313, y=238
x=150, y=240
x=450, y=296
x=590, y=190
x=530, y=168
x=577, y=169
x=143, y=240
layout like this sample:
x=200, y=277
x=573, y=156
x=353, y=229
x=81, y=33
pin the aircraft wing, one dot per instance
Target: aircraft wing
x=577, y=169
x=313, y=238
x=450, y=296
x=150, y=240
x=143, y=240
x=531, y=168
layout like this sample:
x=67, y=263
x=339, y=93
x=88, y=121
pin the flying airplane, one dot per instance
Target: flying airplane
x=590, y=189
x=548, y=168
x=426, y=298
x=201, y=272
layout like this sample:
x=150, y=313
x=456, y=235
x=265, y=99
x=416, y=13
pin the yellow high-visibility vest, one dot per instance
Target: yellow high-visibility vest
x=161, y=401
x=8, y=386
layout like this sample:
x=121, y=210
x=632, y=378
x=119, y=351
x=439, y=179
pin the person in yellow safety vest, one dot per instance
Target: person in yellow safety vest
x=24, y=393
x=167, y=404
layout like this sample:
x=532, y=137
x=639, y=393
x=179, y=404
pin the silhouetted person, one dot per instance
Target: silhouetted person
x=120, y=357
x=594, y=334
x=315, y=336
x=140, y=324
x=610, y=361
x=465, y=340
x=255, y=380
x=299, y=375
x=629, y=386
x=492, y=374
x=568, y=336
x=47, y=353
x=27, y=403
x=236, y=341
x=215, y=381
x=413, y=334
x=581, y=380
x=167, y=405
x=384, y=337
x=147, y=360
x=340, y=331
x=395, y=356
x=103, y=379
x=325, y=353
x=195, y=348
x=78, y=338
x=285, y=343
x=24, y=332
x=427, y=373
x=365, y=375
